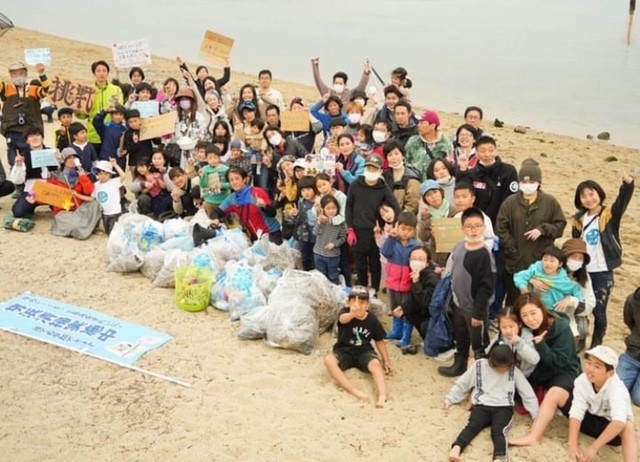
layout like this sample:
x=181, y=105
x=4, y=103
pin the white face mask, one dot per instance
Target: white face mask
x=573, y=265
x=185, y=104
x=371, y=177
x=528, y=188
x=444, y=180
x=416, y=265
x=397, y=166
x=378, y=136
x=276, y=139
x=474, y=240
x=20, y=81
x=355, y=117
x=338, y=88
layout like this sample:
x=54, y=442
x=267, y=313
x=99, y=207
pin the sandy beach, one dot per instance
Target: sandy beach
x=247, y=401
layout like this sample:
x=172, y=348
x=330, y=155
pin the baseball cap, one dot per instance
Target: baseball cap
x=374, y=160
x=359, y=292
x=248, y=105
x=431, y=117
x=237, y=144
x=605, y=354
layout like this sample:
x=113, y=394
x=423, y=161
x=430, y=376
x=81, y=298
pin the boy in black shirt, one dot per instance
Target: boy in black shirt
x=357, y=327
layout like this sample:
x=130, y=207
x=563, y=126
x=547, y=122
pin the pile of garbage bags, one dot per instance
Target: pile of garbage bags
x=256, y=283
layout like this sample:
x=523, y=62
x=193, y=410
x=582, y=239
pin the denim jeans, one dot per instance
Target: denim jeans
x=629, y=373
x=602, y=283
x=15, y=142
x=23, y=209
x=328, y=266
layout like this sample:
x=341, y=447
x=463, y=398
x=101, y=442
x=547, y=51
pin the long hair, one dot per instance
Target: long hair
x=532, y=299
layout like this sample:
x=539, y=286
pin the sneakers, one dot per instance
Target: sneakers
x=408, y=350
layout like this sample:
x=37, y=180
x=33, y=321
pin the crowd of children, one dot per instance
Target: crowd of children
x=395, y=174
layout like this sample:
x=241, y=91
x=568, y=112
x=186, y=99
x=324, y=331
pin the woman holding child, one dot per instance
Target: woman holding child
x=558, y=367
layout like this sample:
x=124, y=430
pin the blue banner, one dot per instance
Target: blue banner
x=79, y=329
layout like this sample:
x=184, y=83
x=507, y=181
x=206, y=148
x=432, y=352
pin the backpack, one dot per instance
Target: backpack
x=440, y=330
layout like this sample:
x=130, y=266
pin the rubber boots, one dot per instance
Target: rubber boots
x=405, y=341
x=458, y=367
x=396, y=330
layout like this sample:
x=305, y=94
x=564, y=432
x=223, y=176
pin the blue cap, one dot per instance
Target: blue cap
x=248, y=105
x=428, y=185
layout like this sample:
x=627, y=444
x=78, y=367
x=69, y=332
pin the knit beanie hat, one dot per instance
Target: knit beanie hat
x=572, y=246
x=530, y=170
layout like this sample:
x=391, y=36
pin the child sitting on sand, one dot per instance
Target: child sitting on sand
x=494, y=381
x=357, y=327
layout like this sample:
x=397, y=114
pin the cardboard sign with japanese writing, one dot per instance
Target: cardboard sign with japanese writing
x=146, y=108
x=51, y=194
x=155, y=127
x=216, y=47
x=294, y=121
x=447, y=232
x=131, y=53
x=44, y=158
x=33, y=56
x=75, y=95
x=79, y=329
x=323, y=162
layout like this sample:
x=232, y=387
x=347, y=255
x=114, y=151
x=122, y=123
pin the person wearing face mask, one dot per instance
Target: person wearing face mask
x=278, y=147
x=403, y=180
x=368, y=104
x=575, y=251
x=20, y=108
x=354, y=118
x=339, y=87
x=80, y=218
x=527, y=223
x=189, y=127
x=424, y=280
x=365, y=195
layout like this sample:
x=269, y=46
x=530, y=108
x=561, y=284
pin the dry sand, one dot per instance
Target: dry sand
x=248, y=401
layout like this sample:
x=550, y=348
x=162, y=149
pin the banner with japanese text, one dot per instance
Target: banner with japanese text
x=77, y=328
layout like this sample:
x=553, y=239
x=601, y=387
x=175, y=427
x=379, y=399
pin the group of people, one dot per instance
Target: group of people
x=396, y=174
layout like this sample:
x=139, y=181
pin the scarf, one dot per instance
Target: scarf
x=442, y=211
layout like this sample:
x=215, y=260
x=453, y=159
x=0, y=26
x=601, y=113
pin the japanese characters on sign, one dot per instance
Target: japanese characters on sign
x=51, y=194
x=75, y=95
x=33, y=56
x=79, y=328
x=44, y=158
x=131, y=53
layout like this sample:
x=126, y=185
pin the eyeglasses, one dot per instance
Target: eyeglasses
x=473, y=227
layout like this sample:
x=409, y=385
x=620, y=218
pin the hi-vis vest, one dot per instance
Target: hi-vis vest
x=21, y=106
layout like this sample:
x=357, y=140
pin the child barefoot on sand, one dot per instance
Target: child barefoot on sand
x=356, y=328
x=494, y=382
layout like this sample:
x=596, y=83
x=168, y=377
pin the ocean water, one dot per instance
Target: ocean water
x=562, y=66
